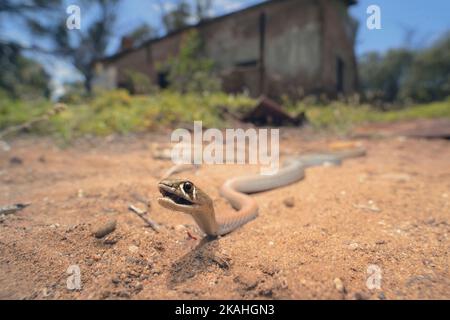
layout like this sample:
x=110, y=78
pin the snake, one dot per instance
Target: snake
x=184, y=196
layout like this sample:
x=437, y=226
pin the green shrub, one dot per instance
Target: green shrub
x=138, y=83
x=119, y=112
x=190, y=71
x=403, y=75
x=340, y=117
x=14, y=111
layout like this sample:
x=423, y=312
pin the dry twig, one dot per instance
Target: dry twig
x=13, y=208
x=141, y=214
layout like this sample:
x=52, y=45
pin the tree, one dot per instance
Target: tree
x=403, y=75
x=184, y=14
x=36, y=14
x=142, y=34
x=190, y=70
x=178, y=17
x=80, y=47
x=429, y=76
x=382, y=76
x=83, y=47
x=202, y=9
x=21, y=76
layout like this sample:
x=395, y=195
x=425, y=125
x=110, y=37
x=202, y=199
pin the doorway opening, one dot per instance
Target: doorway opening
x=340, y=68
x=163, y=81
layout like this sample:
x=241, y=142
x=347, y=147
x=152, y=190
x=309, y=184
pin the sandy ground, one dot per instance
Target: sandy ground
x=315, y=239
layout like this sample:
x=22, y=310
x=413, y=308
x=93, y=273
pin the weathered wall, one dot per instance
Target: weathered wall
x=106, y=77
x=135, y=60
x=338, y=41
x=293, y=54
x=302, y=40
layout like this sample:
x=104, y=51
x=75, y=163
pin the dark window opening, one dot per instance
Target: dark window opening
x=126, y=85
x=163, y=81
x=262, y=30
x=340, y=66
x=247, y=63
x=262, y=45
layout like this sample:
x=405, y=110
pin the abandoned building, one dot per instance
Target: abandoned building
x=277, y=47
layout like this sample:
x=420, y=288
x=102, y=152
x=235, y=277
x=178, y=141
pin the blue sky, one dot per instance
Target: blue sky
x=415, y=23
x=424, y=21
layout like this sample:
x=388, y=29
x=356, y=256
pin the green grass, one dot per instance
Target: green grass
x=118, y=112
x=340, y=117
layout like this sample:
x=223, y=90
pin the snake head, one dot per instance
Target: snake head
x=183, y=196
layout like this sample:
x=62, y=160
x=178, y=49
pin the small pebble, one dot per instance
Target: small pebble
x=289, y=202
x=360, y=296
x=353, y=246
x=124, y=294
x=107, y=228
x=180, y=228
x=4, y=146
x=15, y=161
x=248, y=281
x=399, y=177
x=110, y=240
x=133, y=249
x=339, y=285
x=371, y=206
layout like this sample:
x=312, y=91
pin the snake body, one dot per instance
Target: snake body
x=184, y=196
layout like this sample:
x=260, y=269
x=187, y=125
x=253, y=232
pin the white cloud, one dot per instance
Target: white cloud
x=65, y=72
x=60, y=72
x=227, y=6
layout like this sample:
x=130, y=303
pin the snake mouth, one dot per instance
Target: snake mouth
x=169, y=195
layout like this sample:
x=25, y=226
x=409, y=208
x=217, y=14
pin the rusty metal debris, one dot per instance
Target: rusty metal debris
x=268, y=112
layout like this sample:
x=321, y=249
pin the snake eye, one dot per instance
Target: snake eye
x=188, y=186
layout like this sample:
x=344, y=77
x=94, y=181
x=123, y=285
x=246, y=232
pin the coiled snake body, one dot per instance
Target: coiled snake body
x=184, y=196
